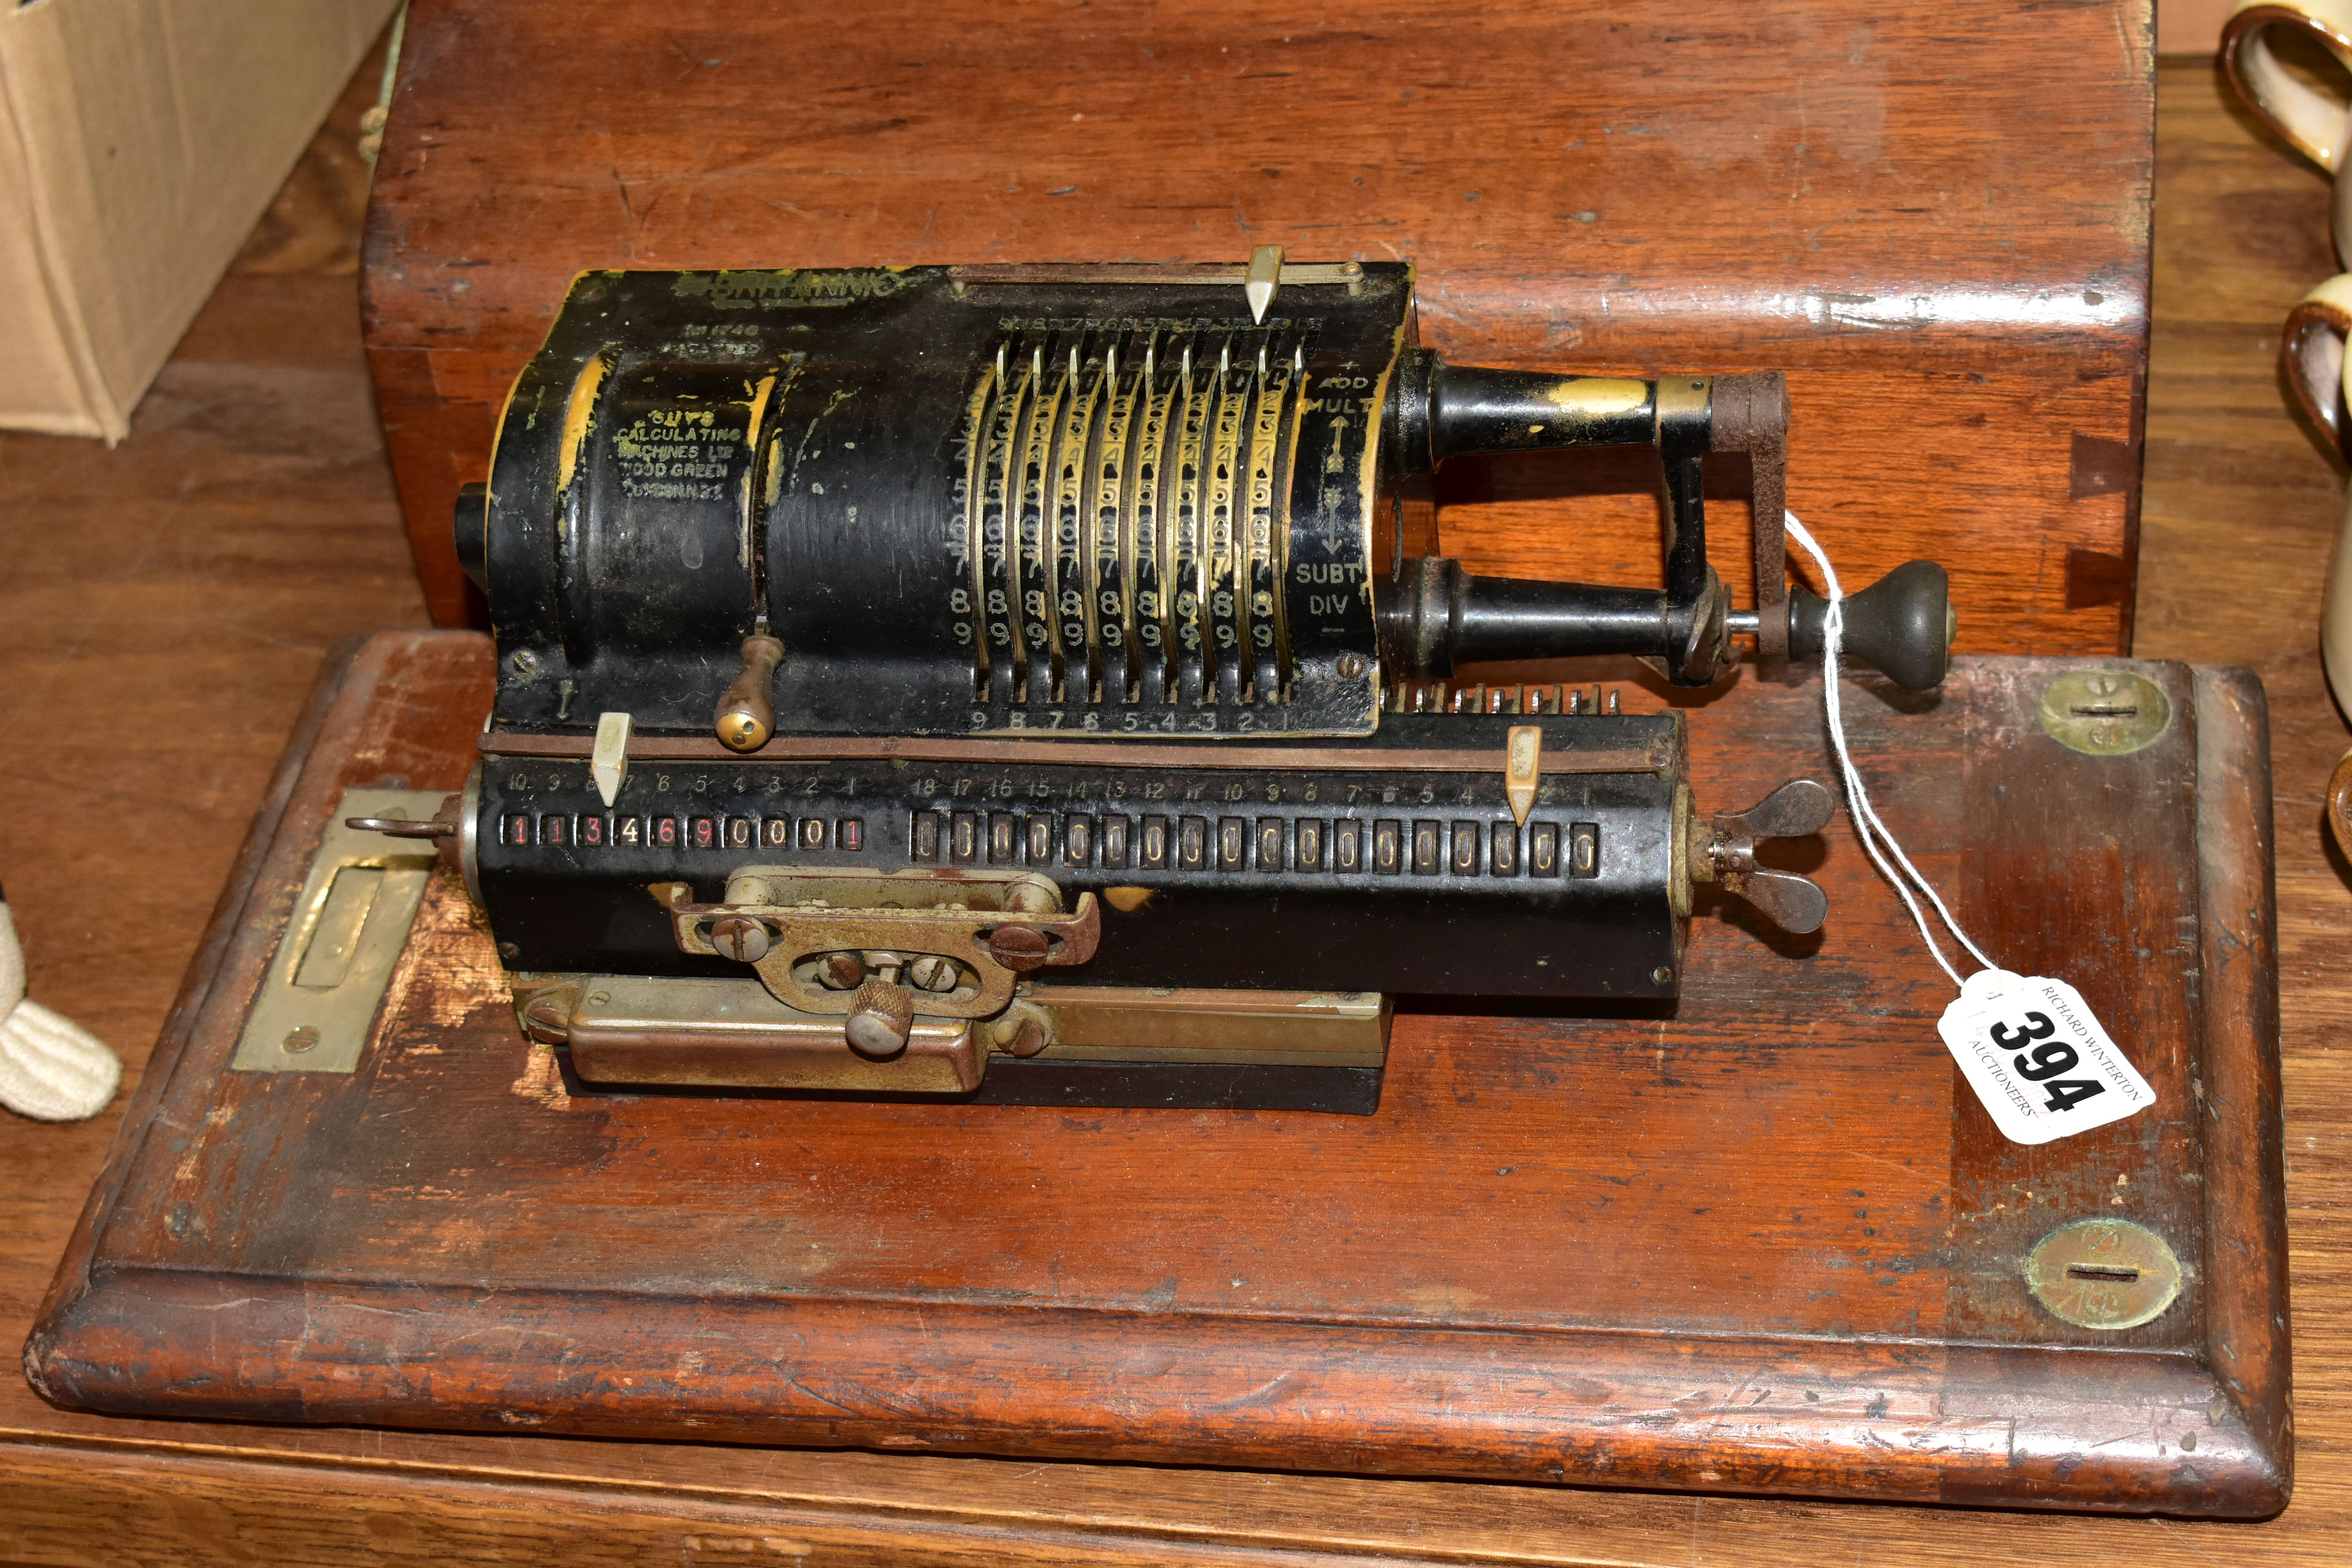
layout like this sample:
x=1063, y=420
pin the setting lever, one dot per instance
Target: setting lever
x=1725, y=853
x=747, y=710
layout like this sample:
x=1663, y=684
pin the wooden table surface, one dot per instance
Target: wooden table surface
x=193, y=578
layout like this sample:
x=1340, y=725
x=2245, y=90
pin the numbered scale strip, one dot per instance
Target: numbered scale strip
x=1029, y=834
x=1124, y=507
x=1284, y=878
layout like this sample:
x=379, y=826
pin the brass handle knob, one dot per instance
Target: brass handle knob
x=881, y=1016
x=747, y=710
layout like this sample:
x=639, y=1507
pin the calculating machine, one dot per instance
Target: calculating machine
x=1011, y=684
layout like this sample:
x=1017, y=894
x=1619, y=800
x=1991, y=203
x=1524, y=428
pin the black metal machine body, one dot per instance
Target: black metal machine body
x=984, y=681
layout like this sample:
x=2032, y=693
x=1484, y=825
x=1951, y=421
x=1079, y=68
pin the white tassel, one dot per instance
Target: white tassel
x=51, y=1068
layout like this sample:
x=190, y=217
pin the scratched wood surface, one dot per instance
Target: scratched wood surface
x=1933, y=218
x=249, y=523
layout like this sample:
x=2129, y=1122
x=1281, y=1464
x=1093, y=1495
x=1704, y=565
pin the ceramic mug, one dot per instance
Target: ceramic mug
x=2312, y=356
x=2312, y=123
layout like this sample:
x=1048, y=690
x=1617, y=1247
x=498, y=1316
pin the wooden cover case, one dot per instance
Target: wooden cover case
x=1934, y=217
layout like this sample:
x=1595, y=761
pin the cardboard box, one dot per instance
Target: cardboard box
x=139, y=139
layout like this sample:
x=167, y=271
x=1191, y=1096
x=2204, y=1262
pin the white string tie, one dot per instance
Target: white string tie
x=1867, y=824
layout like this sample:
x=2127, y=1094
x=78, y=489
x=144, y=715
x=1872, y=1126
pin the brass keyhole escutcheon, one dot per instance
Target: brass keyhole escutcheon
x=2103, y=1273
x=2105, y=713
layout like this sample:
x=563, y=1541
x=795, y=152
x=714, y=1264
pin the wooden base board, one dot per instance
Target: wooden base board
x=1757, y=1242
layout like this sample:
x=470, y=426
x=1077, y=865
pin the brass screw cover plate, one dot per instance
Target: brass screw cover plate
x=2105, y=713
x=2103, y=1273
x=316, y=1005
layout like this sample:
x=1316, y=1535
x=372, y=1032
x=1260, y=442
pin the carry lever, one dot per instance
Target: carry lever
x=1725, y=854
x=445, y=828
x=442, y=824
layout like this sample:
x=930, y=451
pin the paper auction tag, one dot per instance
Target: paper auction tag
x=2037, y=1059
